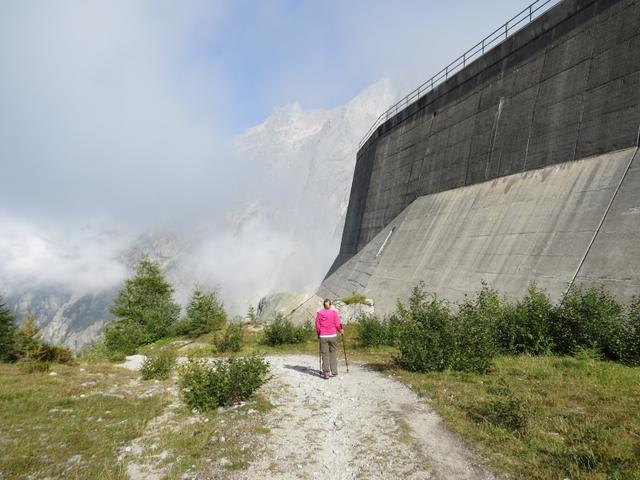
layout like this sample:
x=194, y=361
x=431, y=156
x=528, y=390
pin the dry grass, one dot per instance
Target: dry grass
x=70, y=425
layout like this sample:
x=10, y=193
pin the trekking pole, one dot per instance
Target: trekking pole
x=344, y=348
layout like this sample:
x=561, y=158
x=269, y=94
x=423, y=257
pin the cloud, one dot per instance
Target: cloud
x=84, y=261
x=106, y=108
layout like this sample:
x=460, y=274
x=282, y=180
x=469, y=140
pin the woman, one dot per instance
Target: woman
x=327, y=327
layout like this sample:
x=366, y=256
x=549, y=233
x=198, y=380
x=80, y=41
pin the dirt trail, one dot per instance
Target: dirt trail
x=361, y=424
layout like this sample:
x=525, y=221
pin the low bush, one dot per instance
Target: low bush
x=231, y=340
x=54, y=353
x=123, y=337
x=631, y=333
x=432, y=338
x=373, y=332
x=282, y=331
x=208, y=385
x=426, y=339
x=474, y=330
x=158, y=366
x=97, y=352
x=30, y=346
x=526, y=327
x=589, y=318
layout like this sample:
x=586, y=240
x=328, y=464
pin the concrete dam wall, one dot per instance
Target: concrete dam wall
x=521, y=167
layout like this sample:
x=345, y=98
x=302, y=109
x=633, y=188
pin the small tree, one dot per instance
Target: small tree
x=7, y=334
x=29, y=338
x=205, y=313
x=144, y=310
x=251, y=315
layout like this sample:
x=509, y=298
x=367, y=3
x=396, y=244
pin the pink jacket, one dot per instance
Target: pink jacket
x=327, y=322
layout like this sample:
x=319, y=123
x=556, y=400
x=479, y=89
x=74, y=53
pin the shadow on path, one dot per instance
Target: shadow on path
x=302, y=369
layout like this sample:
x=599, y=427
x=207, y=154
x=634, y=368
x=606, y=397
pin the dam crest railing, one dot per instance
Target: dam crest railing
x=499, y=35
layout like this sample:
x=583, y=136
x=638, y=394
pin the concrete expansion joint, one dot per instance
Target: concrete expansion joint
x=604, y=216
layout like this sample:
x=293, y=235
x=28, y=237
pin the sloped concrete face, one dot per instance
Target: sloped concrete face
x=614, y=258
x=534, y=226
x=299, y=307
x=565, y=87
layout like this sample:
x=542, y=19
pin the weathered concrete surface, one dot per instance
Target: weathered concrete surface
x=614, y=258
x=531, y=226
x=565, y=87
x=299, y=307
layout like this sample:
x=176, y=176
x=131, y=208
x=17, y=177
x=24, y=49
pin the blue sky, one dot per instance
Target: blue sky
x=322, y=53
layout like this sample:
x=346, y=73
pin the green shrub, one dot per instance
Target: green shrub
x=474, y=328
x=283, y=331
x=631, y=333
x=53, y=353
x=354, y=298
x=30, y=346
x=426, y=338
x=158, y=366
x=123, y=337
x=97, y=352
x=526, y=327
x=208, y=385
x=432, y=338
x=231, y=340
x=373, y=332
x=590, y=318
x=205, y=314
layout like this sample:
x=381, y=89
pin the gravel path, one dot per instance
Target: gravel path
x=358, y=425
x=361, y=424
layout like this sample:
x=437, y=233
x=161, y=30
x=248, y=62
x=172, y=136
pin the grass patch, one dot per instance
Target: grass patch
x=543, y=417
x=70, y=425
x=354, y=298
x=209, y=443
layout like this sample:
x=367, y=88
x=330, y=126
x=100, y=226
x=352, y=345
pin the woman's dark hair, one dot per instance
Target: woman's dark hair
x=327, y=301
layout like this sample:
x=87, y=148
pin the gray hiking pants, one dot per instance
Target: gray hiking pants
x=328, y=347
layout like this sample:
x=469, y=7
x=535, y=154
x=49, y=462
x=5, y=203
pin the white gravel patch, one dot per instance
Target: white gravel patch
x=133, y=362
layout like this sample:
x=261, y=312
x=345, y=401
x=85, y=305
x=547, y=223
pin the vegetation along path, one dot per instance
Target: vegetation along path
x=361, y=424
